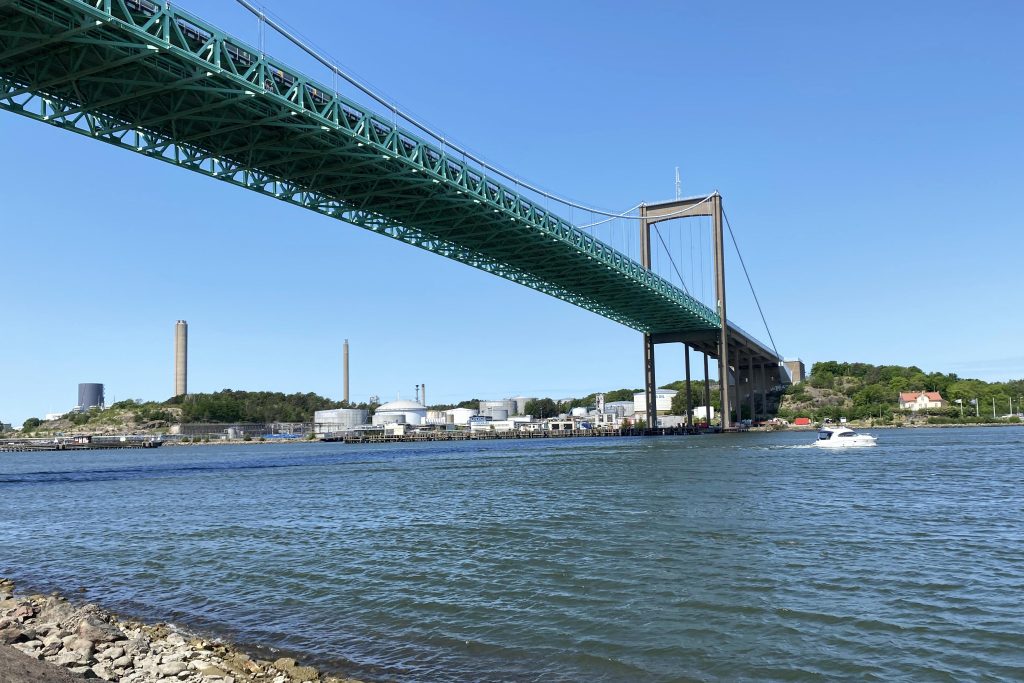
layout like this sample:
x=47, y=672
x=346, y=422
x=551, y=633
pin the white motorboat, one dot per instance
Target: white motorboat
x=842, y=437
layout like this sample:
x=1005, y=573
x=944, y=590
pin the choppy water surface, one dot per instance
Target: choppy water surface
x=709, y=558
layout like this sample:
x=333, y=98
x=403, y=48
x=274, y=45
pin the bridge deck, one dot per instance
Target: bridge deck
x=161, y=82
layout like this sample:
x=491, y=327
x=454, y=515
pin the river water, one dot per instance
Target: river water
x=726, y=557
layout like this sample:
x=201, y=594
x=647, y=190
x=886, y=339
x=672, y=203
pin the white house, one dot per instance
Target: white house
x=921, y=400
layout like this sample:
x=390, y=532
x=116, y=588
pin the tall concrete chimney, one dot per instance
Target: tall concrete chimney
x=423, y=393
x=345, y=371
x=180, y=358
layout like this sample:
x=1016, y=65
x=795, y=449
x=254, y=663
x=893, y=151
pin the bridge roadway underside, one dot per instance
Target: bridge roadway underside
x=748, y=357
x=153, y=79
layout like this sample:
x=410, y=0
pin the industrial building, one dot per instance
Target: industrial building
x=499, y=410
x=704, y=413
x=662, y=401
x=620, y=408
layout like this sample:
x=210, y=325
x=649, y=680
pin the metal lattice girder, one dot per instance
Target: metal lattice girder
x=161, y=82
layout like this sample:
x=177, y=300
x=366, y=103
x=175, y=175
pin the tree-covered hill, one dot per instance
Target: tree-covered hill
x=860, y=391
x=252, y=406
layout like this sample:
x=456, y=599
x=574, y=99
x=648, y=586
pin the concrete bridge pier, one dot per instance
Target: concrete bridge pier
x=707, y=392
x=650, y=384
x=689, y=392
x=752, y=387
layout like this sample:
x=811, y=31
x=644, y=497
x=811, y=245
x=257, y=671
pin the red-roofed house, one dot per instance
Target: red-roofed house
x=921, y=400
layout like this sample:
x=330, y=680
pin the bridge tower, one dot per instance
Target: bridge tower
x=685, y=208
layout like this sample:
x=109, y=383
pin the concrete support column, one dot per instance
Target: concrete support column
x=737, y=400
x=764, y=392
x=650, y=386
x=750, y=387
x=707, y=392
x=689, y=392
x=723, y=339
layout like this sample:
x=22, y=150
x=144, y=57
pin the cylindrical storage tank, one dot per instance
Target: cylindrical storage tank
x=504, y=404
x=521, y=402
x=460, y=416
x=498, y=414
x=339, y=419
x=90, y=395
x=578, y=412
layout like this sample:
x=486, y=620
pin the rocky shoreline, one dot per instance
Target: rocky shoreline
x=48, y=638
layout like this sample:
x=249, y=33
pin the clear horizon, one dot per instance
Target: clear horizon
x=869, y=158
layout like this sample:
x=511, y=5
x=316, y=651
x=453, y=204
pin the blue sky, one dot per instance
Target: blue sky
x=869, y=155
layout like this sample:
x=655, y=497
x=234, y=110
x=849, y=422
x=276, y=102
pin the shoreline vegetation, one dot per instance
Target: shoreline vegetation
x=866, y=395
x=50, y=638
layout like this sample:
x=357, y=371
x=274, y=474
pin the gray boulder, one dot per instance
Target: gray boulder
x=99, y=631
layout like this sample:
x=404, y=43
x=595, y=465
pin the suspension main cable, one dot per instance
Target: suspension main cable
x=751, y=284
x=380, y=99
x=624, y=214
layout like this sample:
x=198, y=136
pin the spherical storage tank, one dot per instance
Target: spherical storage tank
x=90, y=395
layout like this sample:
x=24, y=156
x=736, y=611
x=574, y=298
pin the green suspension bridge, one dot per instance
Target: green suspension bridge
x=160, y=82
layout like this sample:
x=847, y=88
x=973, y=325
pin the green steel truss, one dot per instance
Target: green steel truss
x=160, y=82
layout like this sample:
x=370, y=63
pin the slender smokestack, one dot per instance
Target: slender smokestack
x=423, y=393
x=345, y=372
x=417, y=393
x=180, y=358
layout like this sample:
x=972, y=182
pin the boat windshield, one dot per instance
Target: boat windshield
x=824, y=436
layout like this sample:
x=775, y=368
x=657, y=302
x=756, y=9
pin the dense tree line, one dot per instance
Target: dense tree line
x=252, y=406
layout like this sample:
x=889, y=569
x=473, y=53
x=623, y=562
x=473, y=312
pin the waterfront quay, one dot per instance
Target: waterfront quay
x=490, y=436
x=79, y=443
